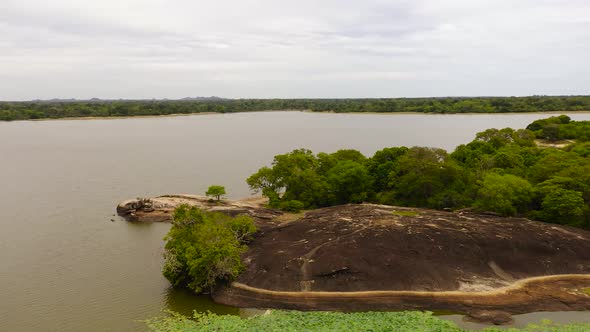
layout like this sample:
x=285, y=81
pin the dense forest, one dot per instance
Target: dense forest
x=56, y=109
x=502, y=171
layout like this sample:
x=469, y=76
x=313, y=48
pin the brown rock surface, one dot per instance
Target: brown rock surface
x=377, y=257
x=374, y=257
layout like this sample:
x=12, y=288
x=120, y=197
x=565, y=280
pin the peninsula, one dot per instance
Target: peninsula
x=357, y=257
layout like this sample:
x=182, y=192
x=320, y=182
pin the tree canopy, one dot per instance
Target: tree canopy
x=561, y=127
x=501, y=170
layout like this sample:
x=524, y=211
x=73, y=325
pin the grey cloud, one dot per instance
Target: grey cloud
x=308, y=48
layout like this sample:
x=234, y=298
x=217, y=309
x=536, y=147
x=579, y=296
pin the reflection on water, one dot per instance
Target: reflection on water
x=185, y=302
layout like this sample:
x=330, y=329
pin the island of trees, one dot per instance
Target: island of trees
x=55, y=109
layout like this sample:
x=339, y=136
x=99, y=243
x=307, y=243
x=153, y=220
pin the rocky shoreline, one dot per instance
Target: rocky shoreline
x=360, y=257
x=551, y=293
x=161, y=208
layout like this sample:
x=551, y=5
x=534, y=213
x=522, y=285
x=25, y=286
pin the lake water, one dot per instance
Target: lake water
x=65, y=266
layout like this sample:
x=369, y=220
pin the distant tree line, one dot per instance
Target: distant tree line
x=109, y=108
x=501, y=171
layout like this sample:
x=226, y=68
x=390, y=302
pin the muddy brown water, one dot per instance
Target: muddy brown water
x=65, y=266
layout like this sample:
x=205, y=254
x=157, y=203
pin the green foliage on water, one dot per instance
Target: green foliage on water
x=545, y=326
x=56, y=109
x=204, y=248
x=285, y=321
x=501, y=171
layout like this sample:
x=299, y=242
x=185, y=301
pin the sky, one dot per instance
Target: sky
x=292, y=49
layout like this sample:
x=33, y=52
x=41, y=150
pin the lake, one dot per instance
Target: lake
x=66, y=266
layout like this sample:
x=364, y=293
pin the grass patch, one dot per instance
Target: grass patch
x=405, y=213
x=586, y=290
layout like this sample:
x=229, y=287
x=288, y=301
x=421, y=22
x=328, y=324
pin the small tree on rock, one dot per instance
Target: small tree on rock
x=216, y=191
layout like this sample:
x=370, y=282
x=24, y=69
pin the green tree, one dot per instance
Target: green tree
x=505, y=194
x=582, y=149
x=551, y=132
x=423, y=173
x=552, y=161
x=295, y=176
x=564, y=206
x=203, y=248
x=384, y=165
x=496, y=137
x=216, y=191
x=350, y=182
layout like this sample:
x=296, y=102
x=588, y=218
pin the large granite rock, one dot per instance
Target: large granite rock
x=160, y=209
x=375, y=257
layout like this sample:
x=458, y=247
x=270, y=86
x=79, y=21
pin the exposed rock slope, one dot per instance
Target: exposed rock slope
x=361, y=257
x=377, y=257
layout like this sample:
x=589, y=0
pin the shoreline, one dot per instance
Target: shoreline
x=288, y=281
x=288, y=110
x=564, y=292
x=515, y=286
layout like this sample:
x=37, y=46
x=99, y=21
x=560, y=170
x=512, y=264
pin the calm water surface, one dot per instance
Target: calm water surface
x=65, y=266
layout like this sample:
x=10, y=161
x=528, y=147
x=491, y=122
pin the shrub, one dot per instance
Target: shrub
x=292, y=206
x=204, y=248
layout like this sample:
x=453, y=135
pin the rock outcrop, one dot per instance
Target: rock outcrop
x=375, y=257
x=160, y=209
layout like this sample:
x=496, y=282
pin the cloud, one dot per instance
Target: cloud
x=307, y=48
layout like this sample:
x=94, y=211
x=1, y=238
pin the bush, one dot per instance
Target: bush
x=204, y=248
x=292, y=206
x=504, y=194
x=562, y=206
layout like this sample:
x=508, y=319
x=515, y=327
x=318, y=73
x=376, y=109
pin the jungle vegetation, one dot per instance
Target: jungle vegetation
x=501, y=171
x=55, y=109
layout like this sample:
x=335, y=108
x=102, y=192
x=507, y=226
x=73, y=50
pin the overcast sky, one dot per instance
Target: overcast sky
x=297, y=48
